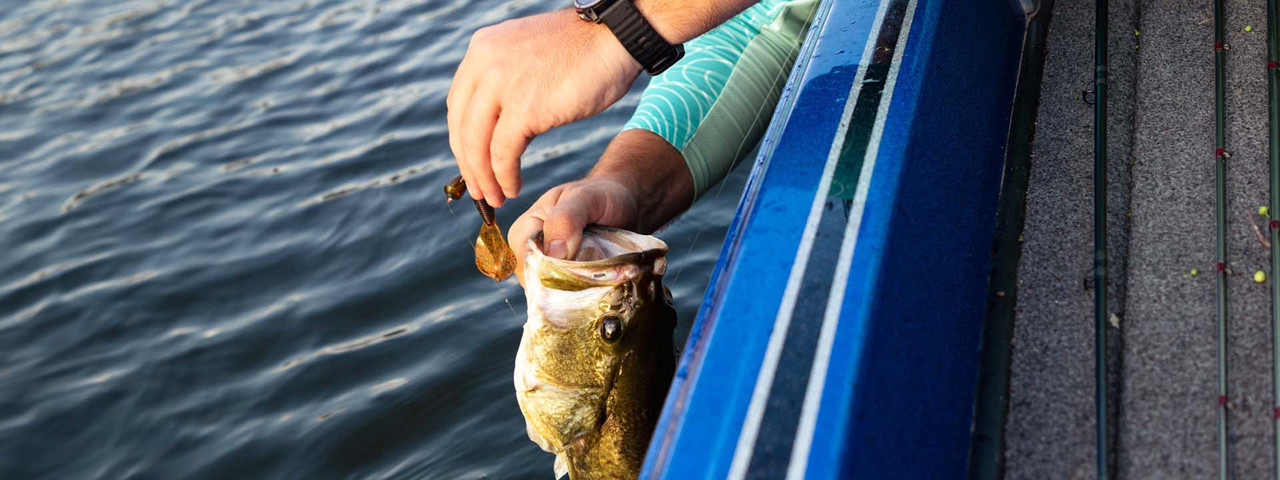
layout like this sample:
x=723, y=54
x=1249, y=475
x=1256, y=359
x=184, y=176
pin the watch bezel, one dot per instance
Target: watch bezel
x=589, y=10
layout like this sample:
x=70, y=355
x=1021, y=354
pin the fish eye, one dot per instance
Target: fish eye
x=611, y=329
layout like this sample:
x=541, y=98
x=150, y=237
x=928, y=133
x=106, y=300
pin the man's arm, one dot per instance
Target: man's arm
x=679, y=21
x=525, y=76
x=640, y=183
x=667, y=155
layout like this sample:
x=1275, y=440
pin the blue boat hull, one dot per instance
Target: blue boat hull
x=840, y=332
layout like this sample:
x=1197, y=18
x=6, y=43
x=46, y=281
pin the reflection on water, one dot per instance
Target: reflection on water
x=226, y=252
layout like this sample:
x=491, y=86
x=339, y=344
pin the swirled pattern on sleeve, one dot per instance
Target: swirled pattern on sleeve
x=715, y=103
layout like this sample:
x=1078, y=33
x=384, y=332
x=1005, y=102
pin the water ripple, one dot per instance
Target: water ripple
x=350, y=346
x=114, y=183
x=228, y=75
x=227, y=254
x=127, y=86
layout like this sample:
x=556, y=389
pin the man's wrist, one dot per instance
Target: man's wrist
x=652, y=172
x=636, y=34
x=679, y=21
x=661, y=17
x=676, y=21
x=606, y=45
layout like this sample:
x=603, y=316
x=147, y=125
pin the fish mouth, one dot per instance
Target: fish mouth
x=614, y=244
x=620, y=256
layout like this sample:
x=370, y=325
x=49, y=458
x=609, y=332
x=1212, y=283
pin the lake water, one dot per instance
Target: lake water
x=226, y=253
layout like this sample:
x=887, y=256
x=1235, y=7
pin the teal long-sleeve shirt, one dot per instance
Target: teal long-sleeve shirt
x=715, y=103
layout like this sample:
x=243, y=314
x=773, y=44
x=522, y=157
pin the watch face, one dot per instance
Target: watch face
x=585, y=4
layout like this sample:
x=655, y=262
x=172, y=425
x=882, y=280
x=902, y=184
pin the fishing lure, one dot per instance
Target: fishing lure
x=494, y=257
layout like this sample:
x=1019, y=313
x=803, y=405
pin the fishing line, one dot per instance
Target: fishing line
x=458, y=222
x=690, y=252
x=1220, y=176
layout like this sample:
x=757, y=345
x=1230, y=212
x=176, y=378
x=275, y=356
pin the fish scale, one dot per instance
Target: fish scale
x=596, y=357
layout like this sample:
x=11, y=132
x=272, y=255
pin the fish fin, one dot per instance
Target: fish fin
x=562, y=466
x=537, y=438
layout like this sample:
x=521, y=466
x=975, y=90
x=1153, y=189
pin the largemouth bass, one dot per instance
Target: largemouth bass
x=596, y=357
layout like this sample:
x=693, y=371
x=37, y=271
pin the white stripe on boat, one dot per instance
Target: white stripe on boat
x=826, y=338
x=764, y=381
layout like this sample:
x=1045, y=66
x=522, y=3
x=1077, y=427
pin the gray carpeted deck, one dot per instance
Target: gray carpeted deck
x=1161, y=219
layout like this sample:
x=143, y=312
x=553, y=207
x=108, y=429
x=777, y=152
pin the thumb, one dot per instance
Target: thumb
x=565, y=222
x=524, y=227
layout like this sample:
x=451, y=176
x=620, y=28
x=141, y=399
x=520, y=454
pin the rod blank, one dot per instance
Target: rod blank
x=1220, y=215
x=1273, y=95
x=1100, y=232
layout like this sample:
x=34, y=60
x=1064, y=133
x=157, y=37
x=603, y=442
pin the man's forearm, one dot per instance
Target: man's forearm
x=679, y=21
x=654, y=172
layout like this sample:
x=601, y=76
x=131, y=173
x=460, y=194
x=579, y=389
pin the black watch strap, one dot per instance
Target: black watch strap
x=639, y=38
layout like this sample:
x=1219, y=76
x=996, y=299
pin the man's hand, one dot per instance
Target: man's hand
x=525, y=76
x=521, y=78
x=564, y=211
x=640, y=184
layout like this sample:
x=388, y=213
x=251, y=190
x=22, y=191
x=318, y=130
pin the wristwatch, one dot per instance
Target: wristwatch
x=637, y=36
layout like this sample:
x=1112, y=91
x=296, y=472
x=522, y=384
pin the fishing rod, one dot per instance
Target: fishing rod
x=1220, y=215
x=1100, y=231
x=1273, y=96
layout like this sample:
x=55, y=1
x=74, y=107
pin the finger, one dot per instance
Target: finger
x=521, y=230
x=477, y=130
x=565, y=222
x=529, y=225
x=525, y=228
x=462, y=165
x=510, y=139
x=459, y=93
